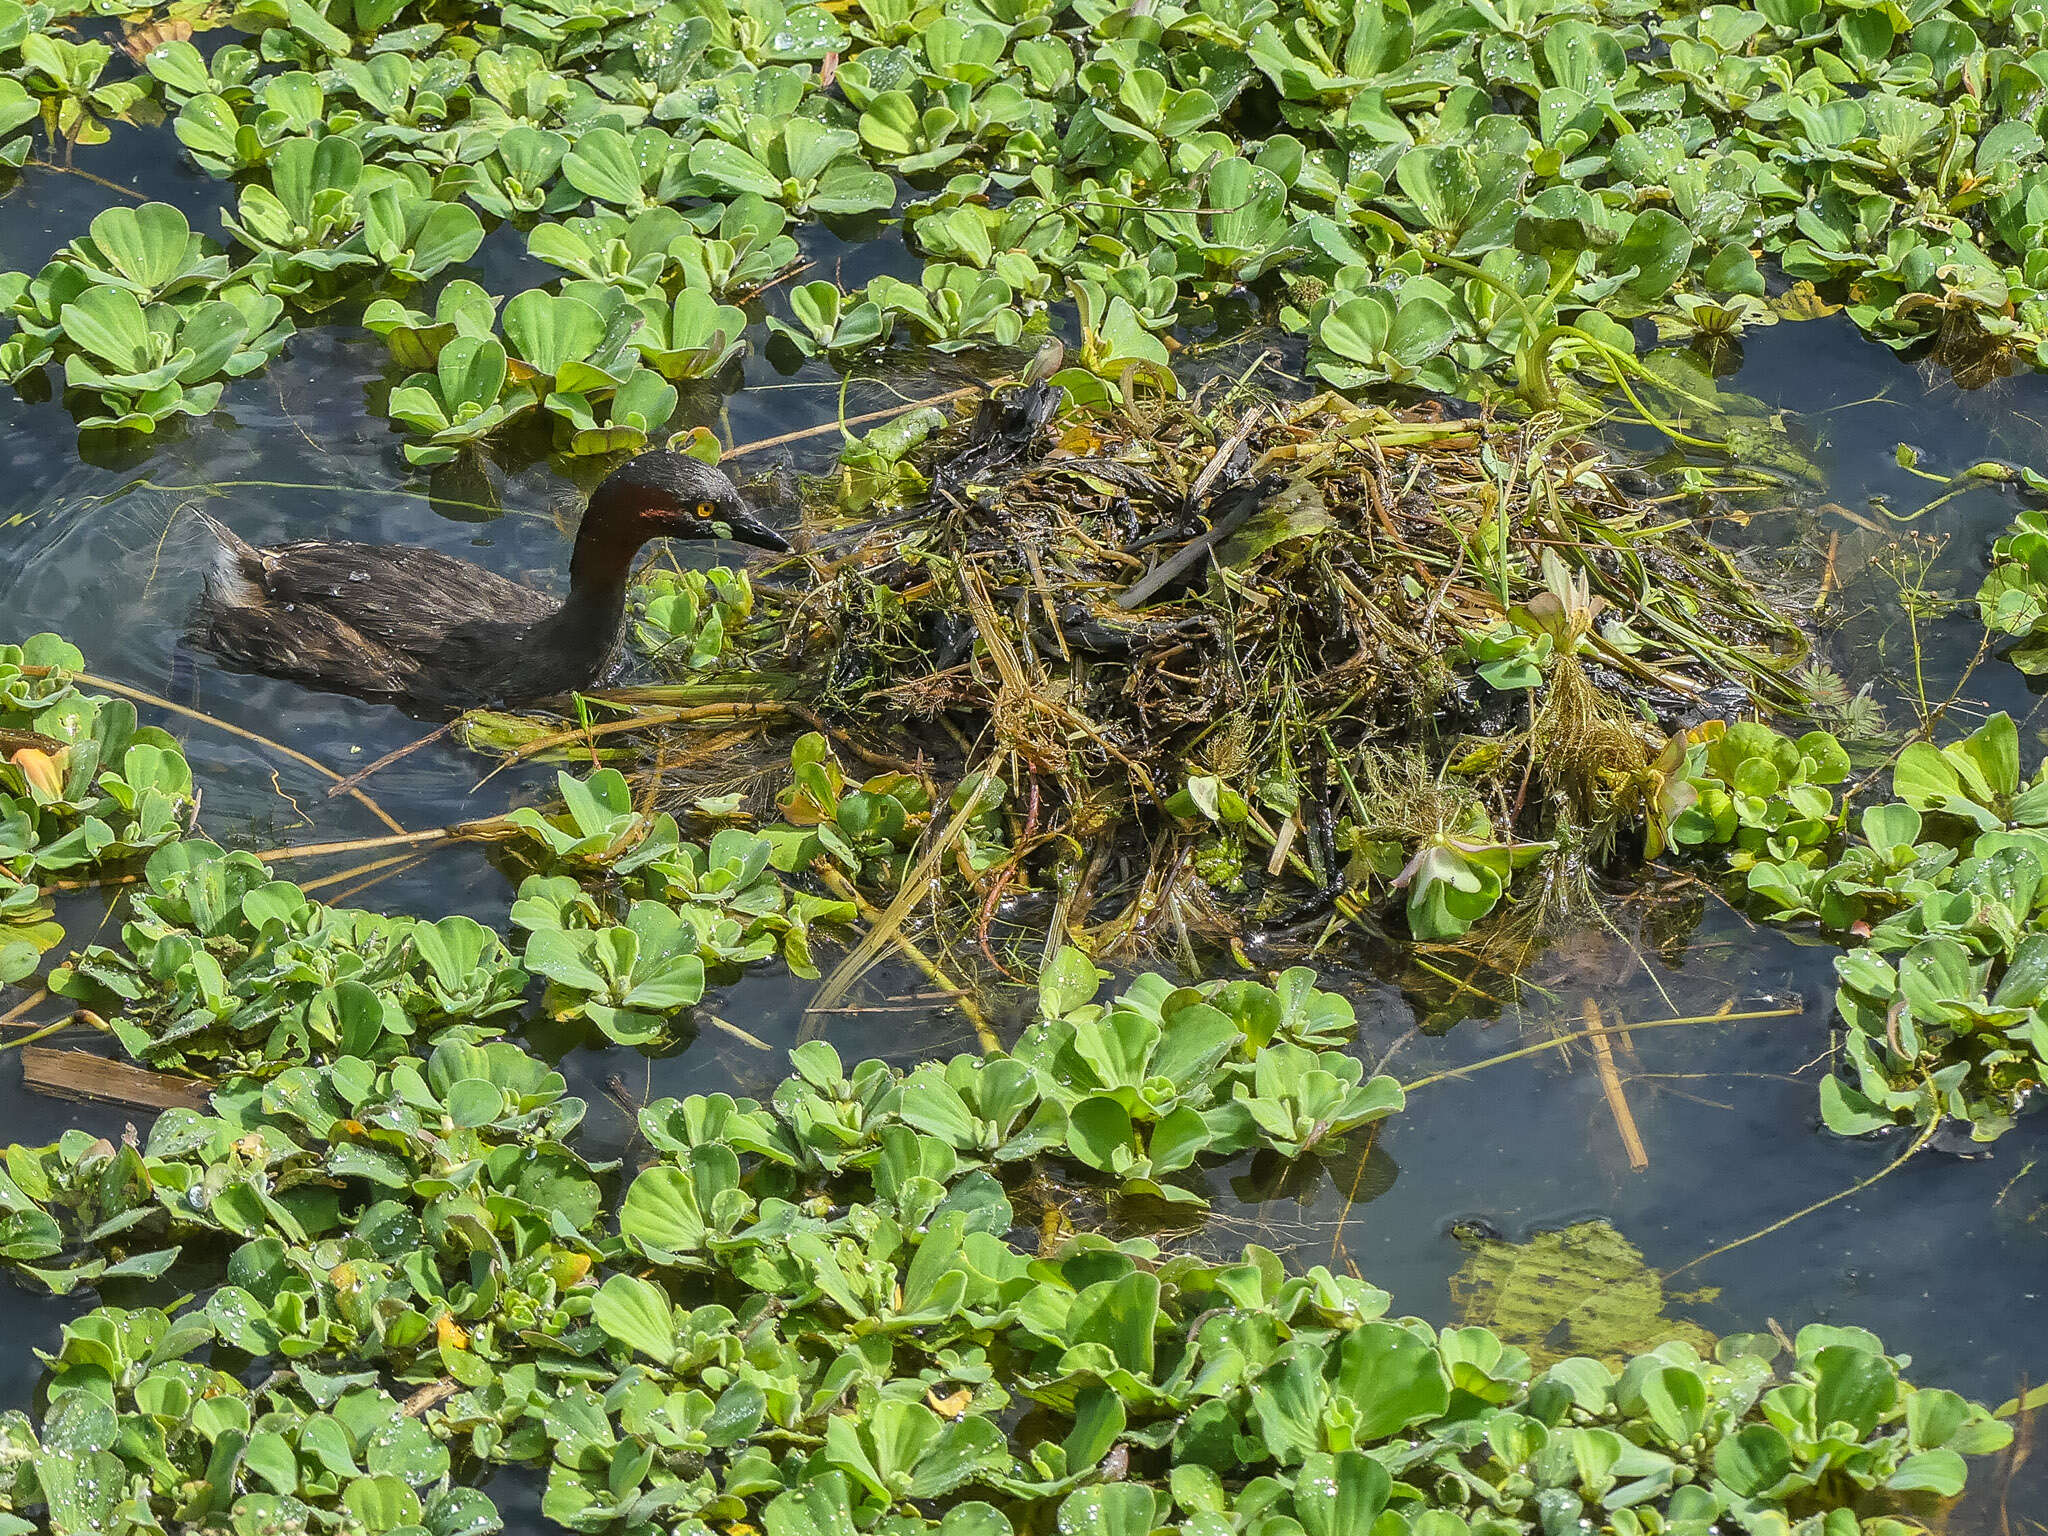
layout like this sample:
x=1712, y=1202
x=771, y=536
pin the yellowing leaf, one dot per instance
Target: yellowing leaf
x=571, y=1268
x=44, y=771
x=698, y=443
x=1802, y=301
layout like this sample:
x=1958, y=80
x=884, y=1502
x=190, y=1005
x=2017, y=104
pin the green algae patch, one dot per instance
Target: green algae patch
x=1577, y=1290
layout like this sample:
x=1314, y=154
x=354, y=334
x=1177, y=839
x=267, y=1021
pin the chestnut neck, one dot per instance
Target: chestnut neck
x=611, y=535
x=583, y=631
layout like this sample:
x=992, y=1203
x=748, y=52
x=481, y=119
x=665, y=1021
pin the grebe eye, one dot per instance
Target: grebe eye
x=705, y=509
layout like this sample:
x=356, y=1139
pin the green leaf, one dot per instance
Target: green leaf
x=637, y=1314
x=819, y=1506
x=450, y=233
x=1341, y=1494
x=1422, y=328
x=1853, y=1387
x=109, y=323
x=1940, y=1472
x=471, y=372
x=661, y=1211
x=1394, y=1378
x=146, y=245
x=1848, y=1112
x=848, y=187
x=473, y=1103
x=1067, y=983
x=1100, y=1134
x=1122, y=1314
x=381, y=1503
x=733, y=168
x=1659, y=249
x=310, y=24
x=1754, y=1461
x=1109, y=1509
x=601, y=165
x=1358, y=328
x=548, y=331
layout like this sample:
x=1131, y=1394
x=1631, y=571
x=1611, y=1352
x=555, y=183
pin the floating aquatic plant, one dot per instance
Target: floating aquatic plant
x=221, y=967
x=83, y=789
x=1521, y=179
x=684, y=618
x=145, y=317
x=743, y=1349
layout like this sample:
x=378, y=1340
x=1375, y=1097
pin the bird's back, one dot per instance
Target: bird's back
x=375, y=620
x=397, y=595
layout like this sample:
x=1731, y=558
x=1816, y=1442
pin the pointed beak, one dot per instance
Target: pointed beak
x=742, y=527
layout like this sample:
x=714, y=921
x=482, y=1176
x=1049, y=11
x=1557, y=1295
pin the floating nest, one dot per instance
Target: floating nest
x=1234, y=660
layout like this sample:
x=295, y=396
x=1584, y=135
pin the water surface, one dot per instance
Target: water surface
x=1944, y=1259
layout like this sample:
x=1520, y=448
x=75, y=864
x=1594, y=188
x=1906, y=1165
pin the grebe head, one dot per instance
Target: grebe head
x=672, y=495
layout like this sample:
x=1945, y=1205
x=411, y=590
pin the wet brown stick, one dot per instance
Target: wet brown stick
x=789, y=274
x=1239, y=436
x=376, y=874
x=66, y=1074
x=17, y=1015
x=1170, y=570
x=359, y=872
x=345, y=786
x=1611, y=1089
x=459, y=832
x=98, y=181
x=433, y=1393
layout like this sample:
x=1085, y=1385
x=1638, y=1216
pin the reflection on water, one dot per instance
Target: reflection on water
x=1943, y=1259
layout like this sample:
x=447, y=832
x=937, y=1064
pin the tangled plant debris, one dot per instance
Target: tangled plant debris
x=1287, y=656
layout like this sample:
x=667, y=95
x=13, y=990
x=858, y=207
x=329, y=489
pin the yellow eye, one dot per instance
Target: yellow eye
x=705, y=509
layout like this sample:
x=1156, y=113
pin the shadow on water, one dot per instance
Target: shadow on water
x=1944, y=1259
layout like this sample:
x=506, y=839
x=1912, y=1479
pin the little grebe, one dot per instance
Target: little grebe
x=436, y=635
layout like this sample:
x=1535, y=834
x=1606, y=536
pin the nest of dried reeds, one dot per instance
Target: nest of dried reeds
x=1213, y=649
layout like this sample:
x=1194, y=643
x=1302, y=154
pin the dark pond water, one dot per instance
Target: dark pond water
x=1944, y=1259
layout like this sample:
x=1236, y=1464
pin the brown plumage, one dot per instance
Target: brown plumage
x=436, y=635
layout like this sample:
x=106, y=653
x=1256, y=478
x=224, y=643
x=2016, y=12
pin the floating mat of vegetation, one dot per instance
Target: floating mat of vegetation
x=1219, y=675
x=1436, y=194
x=82, y=786
x=852, y=1306
x=1263, y=655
